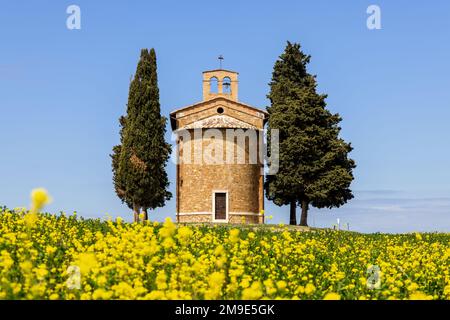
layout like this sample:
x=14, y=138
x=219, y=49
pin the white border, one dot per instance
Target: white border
x=236, y=213
x=194, y=213
x=213, y=219
x=230, y=213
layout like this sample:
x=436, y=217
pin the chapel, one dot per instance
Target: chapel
x=219, y=176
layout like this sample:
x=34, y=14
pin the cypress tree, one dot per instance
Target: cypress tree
x=119, y=184
x=314, y=167
x=140, y=178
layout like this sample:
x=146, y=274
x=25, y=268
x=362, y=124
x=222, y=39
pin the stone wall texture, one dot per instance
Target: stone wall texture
x=209, y=161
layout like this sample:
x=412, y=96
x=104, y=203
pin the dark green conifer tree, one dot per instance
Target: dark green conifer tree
x=314, y=167
x=139, y=162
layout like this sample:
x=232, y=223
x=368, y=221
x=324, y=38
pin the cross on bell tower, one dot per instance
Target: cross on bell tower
x=220, y=61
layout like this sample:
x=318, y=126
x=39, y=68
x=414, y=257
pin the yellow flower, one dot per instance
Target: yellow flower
x=310, y=288
x=41, y=272
x=234, y=235
x=26, y=266
x=101, y=280
x=363, y=280
x=216, y=279
x=215, y=282
x=300, y=289
x=49, y=250
x=168, y=243
x=281, y=285
x=418, y=295
x=168, y=228
x=332, y=296
x=413, y=287
x=184, y=234
x=5, y=260
x=101, y=294
x=270, y=288
x=39, y=198
x=245, y=283
x=447, y=290
x=155, y=295
x=252, y=293
x=86, y=262
x=30, y=219
x=161, y=280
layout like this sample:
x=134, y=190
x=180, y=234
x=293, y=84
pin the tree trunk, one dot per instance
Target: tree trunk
x=145, y=214
x=136, y=212
x=293, y=214
x=304, y=217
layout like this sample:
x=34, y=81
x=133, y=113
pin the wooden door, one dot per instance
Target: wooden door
x=220, y=206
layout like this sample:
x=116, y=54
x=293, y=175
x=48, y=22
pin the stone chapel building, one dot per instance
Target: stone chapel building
x=207, y=189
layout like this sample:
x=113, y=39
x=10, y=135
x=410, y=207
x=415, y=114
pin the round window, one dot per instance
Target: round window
x=220, y=110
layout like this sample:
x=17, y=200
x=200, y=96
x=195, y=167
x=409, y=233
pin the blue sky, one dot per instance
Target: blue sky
x=62, y=92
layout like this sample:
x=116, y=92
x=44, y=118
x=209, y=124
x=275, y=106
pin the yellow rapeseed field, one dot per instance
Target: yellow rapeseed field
x=45, y=256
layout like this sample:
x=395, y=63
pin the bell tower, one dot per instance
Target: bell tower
x=220, y=83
